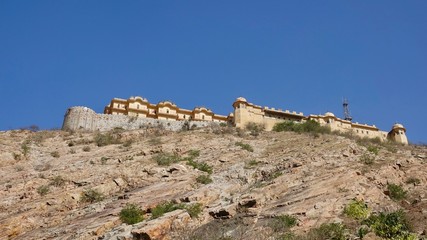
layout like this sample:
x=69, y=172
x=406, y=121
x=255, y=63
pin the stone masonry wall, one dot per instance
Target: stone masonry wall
x=83, y=118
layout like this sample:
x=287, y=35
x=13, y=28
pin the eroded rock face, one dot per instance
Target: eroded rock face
x=44, y=175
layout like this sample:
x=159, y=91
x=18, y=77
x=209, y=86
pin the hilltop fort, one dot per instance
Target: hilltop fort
x=137, y=112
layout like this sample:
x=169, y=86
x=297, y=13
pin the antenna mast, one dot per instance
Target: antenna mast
x=346, y=110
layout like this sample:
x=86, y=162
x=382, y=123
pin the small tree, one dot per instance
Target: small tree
x=357, y=210
x=131, y=214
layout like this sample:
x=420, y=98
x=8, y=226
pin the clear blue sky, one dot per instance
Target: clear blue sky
x=297, y=55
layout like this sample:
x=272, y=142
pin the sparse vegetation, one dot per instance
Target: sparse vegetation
x=104, y=160
x=396, y=192
x=58, y=181
x=17, y=156
x=91, y=196
x=254, y=128
x=43, y=190
x=245, y=146
x=55, y=154
x=19, y=168
x=193, y=209
x=357, y=210
x=283, y=223
x=309, y=126
x=106, y=139
x=335, y=231
x=194, y=153
x=165, y=207
x=204, y=179
x=86, y=149
x=251, y=163
x=413, y=180
x=128, y=143
x=166, y=159
x=373, y=149
x=367, y=159
x=202, y=166
x=155, y=141
x=25, y=148
x=131, y=214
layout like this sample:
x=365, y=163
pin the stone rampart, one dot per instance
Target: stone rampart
x=83, y=118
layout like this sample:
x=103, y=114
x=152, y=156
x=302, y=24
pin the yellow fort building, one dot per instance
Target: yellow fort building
x=137, y=112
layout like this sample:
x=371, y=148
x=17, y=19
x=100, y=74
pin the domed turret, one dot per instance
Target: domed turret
x=329, y=114
x=398, y=126
x=241, y=99
x=398, y=134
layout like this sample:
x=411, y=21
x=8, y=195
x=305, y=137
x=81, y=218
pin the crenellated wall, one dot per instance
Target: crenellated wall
x=83, y=118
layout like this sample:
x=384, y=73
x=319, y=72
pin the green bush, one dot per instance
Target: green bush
x=245, y=146
x=309, y=126
x=166, y=159
x=390, y=225
x=91, y=196
x=283, y=223
x=334, y=231
x=165, y=207
x=204, y=179
x=200, y=165
x=396, y=192
x=131, y=214
x=43, y=190
x=357, y=210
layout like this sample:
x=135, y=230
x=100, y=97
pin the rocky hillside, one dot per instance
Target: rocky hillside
x=205, y=184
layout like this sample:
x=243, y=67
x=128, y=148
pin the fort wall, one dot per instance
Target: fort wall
x=83, y=118
x=137, y=113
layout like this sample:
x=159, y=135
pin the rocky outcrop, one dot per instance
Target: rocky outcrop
x=310, y=178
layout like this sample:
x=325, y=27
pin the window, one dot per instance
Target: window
x=167, y=110
x=203, y=117
x=137, y=106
